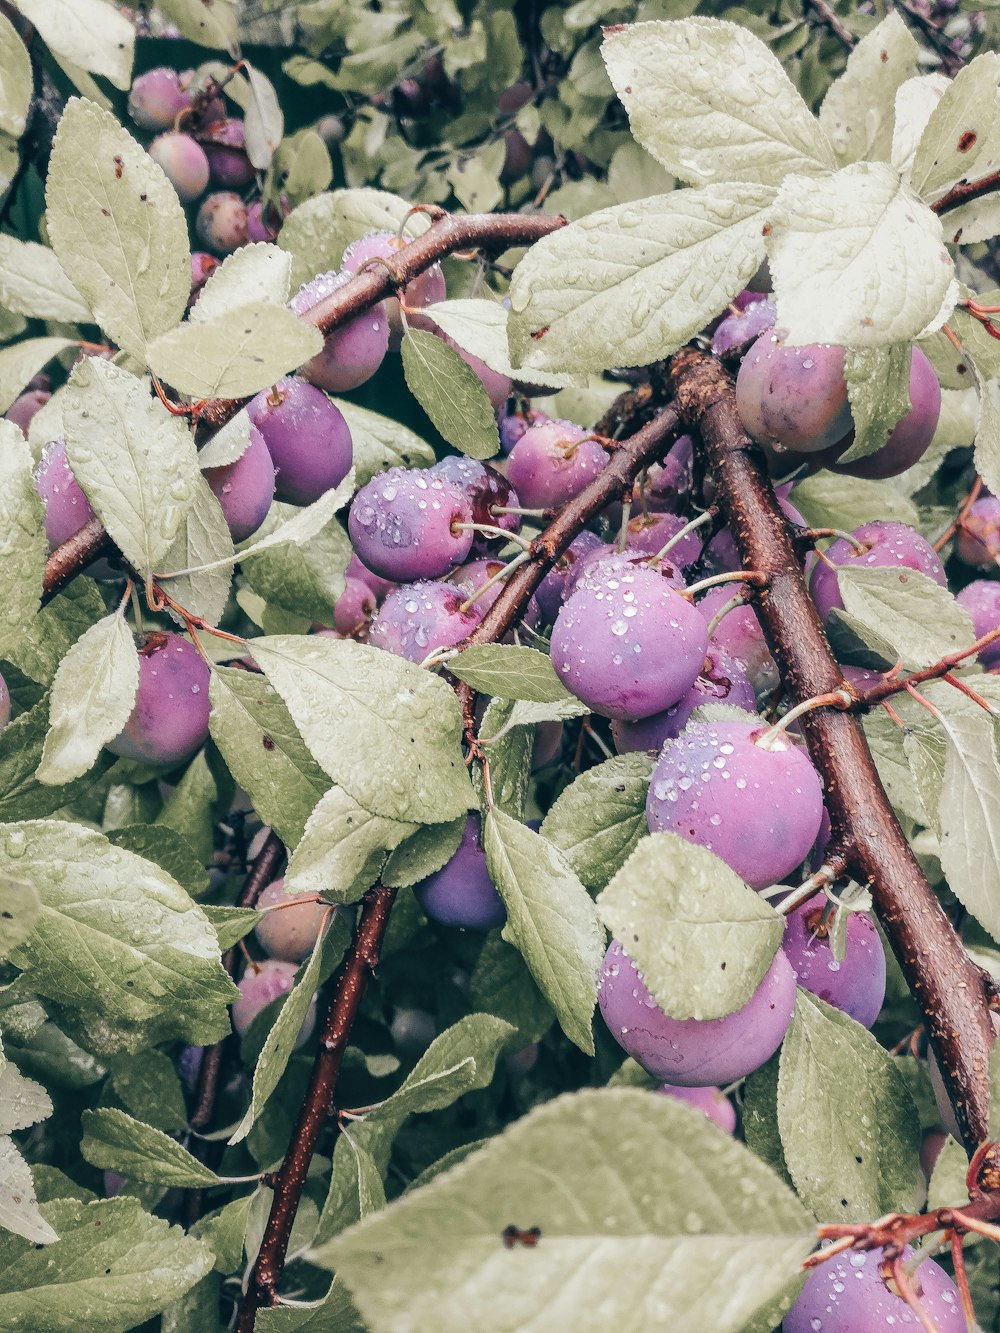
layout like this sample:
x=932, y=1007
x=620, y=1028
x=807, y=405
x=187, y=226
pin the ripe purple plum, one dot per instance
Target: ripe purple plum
x=846, y=1294
x=307, y=437
x=884, y=546
x=263, y=983
x=169, y=720
x=189, y=1065
x=183, y=162
x=291, y=931
x=224, y=142
x=355, y=610
x=461, y=893
x=649, y=533
x=553, y=462
x=24, y=407
x=265, y=221
x=66, y=506
x=626, y=643
x=486, y=488
x=221, y=224
x=516, y=157
x=981, y=599
x=711, y=1102
x=4, y=703
x=157, y=98
x=202, y=267
x=352, y=353
x=909, y=438
x=857, y=985
x=245, y=488
x=693, y=1052
x=356, y=570
x=721, y=680
x=796, y=396
x=419, y=617
x=977, y=540
x=669, y=483
x=740, y=634
x=410, y=524
x=472, y=576
x=737, y=330
x=757, y=808
x=425, y=289
x=552, y=589
x=512, y=426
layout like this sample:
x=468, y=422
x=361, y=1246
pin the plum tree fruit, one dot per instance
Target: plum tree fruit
x=245, y=488
x=264, y=219
x=224, y=143
x=425, y=289
x=855, y=986
x=290, y=932
x=710, y=1101
x=552, y=589
x=650, y=532
x=486, y=489
x=221, y=224
x=977, y=539
x=169, y=720
x=755, y=318
x=757, y=806
x=307, y=437
x=910, y=437
x=740, y=634
x=24, y=407
x=461, y=893
x=883, y=545
x=66, y=506
x=409, y=524
x=416, y=618
x=626, y=643
x=981, y=599
x=721, y=680
x=183, y=162
x=203, y=265
x=552, y=462
x=260, y=985
x=157, y=98
x=353, y=352
x=846, y=1294
x=796, y=396
x=693, y=1052
x=354, y=609
x=356, y=570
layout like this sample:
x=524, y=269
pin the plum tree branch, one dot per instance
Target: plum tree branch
x=944, y=980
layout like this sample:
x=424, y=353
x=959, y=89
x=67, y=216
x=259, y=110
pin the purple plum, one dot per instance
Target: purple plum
x=356, y=570
x=909, y=438
x=260, y=984
x=486, y=488
x=649, y=533
x=981, y=599
x=552, y=589
x=410, y=524
x=307, y=437
x=66, y=506
x=721, y=681
x=425, y=289
x=24, y=407
x=245, y=488
x=265, y=221
x=977, y=539
x=419, y=617
x=202, y=267
x=169, y=720
x=355, y=609
x=740, y=634
x=710, y=1101
x=183, y=163
x=221, y=224
x=157, y=98
x=886, y=546
x=737, y=330
x=796, y=396
x=846, y=1294
x=291, y=931
x=553, y=462
x=224, y=142
x=857, y=985
x=353, y=352
x=461, y=893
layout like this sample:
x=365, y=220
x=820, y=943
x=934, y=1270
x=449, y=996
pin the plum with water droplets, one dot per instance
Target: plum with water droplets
x=419, y=617
x=263, y=983
x=796, y=396
x=883, y=545
x=857, y=985
x=977, y=540
x=169, y=720
x=291, y=931
x=307, y=437
x=67, y=509
x=353, y=352
x=552, y=462
x=981, y=599
x=425, y=289
x=756, y=806
x=409, y=524
x=909, y=438
x=735, y=330
x=461, y=893
x=846, y=1294
x=485, y=488
x=244, y=488
x=693, y=1052
x=552, y=590
x=721, y=680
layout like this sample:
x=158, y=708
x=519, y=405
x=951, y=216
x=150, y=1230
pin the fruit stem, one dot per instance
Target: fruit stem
x=832, y=699
x=499, y=577
x=731, y=576
x=693, y=526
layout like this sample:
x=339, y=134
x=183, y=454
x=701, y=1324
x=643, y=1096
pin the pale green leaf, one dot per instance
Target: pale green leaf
x=15, y=80
x=149, y=1086
x=419, y=855
x=509, y=672
x=23, y=546
x=598, y=820
x=976, y=221
x=204, y=547
x=916, y=100
x=551, y=921
x=264, y=122
x=962, y=137
x=342, y=848
x=90, y=33
x=632, y=283
x=212, y=25
x=19, y=910
x=381, y=443
x=480, y=327
x=22, y=361
x=23, y=1102
x=849, y=1129
x=858, y=109
x=880, y=281
x=947, y=1187
x=475, y=178
x=451, y=394
x=251, y=275
x=135, y=461
x=92, y=697
x=509, y=750
x=987, y=456
x=120, y=236
x=317, y=232
x=878, y=386
x=305, y=578
x=712, y=103
x=229, y=443
x=920, y=621
x=22, y=796
x=114, y=1141
x=231, y=924
x=19, y=1211
x=701, y=938
x=827, y=500
x=386, y=731
x=235, y=354
x=32, y=281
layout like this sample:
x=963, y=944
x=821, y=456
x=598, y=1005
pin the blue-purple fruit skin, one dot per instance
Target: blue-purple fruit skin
x=203, y=265
x=224, y=143
x=265, y=221
x=711, y=1101
x=407, y=524
x=24, y=407
x=259, y=985
x=307, y=437
x=649, y=533
x=291, y=932
x=355, y=609
x=416, y=618
x=735, y=330
x=353, y=352
x=221, y=224
x=425, y=289
x=245, y=488
x=157, y=98
x=169, y=720
x=183, y=162
x=857, y=985
x=485, y=488
x=981, y=599
x=909, y=438
x=461, y=893
x=668, y=485
x=888, y=546
x=757, y=809
x=721, y=681
x=846, y=1294
x=627, y=644
x=356, y=570
x=692, y=1052
x=977, y=540
x=553, y=588
x=67, y=509
x=552, y=462
x=4, y=703
x=740, y=634
x=796, y=396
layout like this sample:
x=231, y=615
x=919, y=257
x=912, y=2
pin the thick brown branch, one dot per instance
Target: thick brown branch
x=944, y=980
x=74, y=555
x=318, y=1104
x=965, y=192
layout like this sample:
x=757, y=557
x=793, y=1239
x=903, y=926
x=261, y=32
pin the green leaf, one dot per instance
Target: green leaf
x=502, y=985
x=551, y=921
x=318, y=231
x=859, y=108
x=691, y=1254
x=204, y=546
x=114, y=1141
x=149, y=1086
x=509, y=672
x=828, y=500
x=23, y=1102
x=632, y=283
x=231, y=924
x=946, y=1187
x=919, y=620
x=19, y=910
x=712, y=104
x=263, y=750
x=508, y=749
x=304, y=161
x=451, y=394
x=121, y=236
x=333, y=1314
x=880, y=282
x=425, y=851
x=264, y=122
x=760, y=1117
x=32, y=281
x=480, y=327
x=135, y=461
x=381, y=443
x=191, y=807
x=168, y=848
x=44, y=642
x=225, y=1232
x=304, y=577
x=115, y=933
x=701, y=938
x=969, y=108
x=386, y=731
x=24, y=548
x=235, y=354
x=19, y=1211
x=212, y=25
x=233, y=440
x=92, y=697
x=342, y=848
x=15, y=87
x=849, y=1129
x=878, y=386
x=90, y=33
x=21, y=361
x=22, y=796
x=253, y=274
x=113, y=1267
x=987, y=456
x=598, y=820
